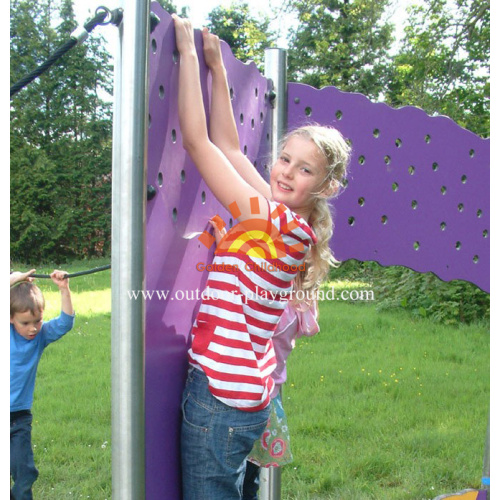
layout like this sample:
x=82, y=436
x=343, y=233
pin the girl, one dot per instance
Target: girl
x=226, y=399
x=273, y=447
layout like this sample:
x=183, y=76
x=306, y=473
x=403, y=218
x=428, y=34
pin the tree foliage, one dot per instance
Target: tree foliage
x=247, y=35
x=443, y=64
x=343, y=43
x=61, y=127
x=60, y=138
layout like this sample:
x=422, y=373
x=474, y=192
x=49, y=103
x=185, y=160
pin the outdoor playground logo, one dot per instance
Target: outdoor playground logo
x=260, y=240
x=255, y=237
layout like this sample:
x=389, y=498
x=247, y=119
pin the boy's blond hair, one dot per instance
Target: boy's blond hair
x=26, y=297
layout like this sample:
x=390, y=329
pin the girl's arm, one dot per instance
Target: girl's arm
x=217, y=171
x=223, y=131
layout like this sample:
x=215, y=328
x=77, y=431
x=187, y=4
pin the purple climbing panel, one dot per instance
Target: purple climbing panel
x=176, y=216
x=418, y=186
x=418, y=196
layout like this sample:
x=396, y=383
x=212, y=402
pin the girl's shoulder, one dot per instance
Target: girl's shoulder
x=288, y=222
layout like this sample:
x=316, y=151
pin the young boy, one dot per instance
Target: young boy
x=29, y=336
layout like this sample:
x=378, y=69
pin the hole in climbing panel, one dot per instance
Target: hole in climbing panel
x=175, y=56
x=161, y=92
x=463, y=179
x=411, y=170
x=472, y=153
x=475, y=259
x=376, y=133
x=460, y=207
x=174, y=135
x=458, y=245
x=308, y=111
x=242, y=118
x=230, y=222
x=160, y=179
x=395, y=186
x=443, y=226
x=427, y=139
x=256, y=92
x=183, y=176
x=435, y=166
x=252, y=123
x=479, y=213
x=174, y=215
x=231, y=93
x=203, y=197
x=414, y=204
x=338, y=114
x=443, y=190
x=351, y=221
x=383, y=219
x=398, y=142
x=361, y=160
x=245, y=149
x=154, y=47
x=261, y=117
x=485, y=233
x=387, y=159
x=149, y=121
x=416, y=245
x=361, y=201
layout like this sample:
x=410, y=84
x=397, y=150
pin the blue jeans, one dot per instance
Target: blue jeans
x=215, y=441
x=22, y=462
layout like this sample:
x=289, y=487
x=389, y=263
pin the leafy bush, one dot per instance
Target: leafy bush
x=421, y=294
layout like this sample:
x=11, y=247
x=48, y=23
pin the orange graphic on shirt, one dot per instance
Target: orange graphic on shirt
x=256, y=238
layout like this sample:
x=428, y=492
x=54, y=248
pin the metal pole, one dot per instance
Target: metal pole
x=275, y=70
x=128, y=227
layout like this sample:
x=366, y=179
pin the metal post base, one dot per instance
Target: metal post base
x=270, y=483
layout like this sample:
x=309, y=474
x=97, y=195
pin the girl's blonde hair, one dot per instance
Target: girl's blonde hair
x=332, y=145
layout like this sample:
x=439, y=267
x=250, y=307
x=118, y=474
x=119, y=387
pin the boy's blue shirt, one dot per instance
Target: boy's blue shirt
x=25, y=355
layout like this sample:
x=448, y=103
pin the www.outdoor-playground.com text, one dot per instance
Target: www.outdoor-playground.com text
x=299, y=295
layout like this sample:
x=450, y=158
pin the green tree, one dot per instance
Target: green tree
x=343, y=43
x=246, y=34
x=171, y=8
x=443, y=63
x=60, y=138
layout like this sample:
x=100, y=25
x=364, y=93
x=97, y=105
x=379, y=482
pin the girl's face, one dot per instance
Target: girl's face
x=299, y=172
x=27, y=324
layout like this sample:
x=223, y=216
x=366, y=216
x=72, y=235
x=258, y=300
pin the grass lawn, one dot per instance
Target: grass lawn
x=383, y=406
x=380, y=405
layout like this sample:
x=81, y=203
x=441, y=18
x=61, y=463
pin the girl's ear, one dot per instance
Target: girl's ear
x=330, y=190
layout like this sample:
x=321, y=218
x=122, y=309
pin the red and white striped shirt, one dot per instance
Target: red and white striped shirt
x=245, y=295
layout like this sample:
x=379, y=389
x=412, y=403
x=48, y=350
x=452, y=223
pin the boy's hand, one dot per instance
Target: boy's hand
x=211, y=49
x=58, y=277
x=17, y=276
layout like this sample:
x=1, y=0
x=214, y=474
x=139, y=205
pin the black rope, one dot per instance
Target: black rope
x=100, y=15
x=74, y=275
